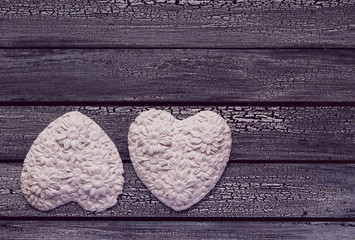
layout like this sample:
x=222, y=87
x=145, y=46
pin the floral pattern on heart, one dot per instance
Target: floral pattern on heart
x=179, y=161
x=72, y=160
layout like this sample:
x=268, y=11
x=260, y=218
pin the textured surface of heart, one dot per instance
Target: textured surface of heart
x=72, y=160
x=179, y=161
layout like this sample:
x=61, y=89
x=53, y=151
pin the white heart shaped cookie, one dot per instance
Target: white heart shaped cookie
x=179, y=161
x=72, y=160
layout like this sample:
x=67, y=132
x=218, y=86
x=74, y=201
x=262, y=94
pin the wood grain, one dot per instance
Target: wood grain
x=280, y=72
x=177, y=24
x=245, y=190
x=259, y=133
x=177, y=76
x=186, y=230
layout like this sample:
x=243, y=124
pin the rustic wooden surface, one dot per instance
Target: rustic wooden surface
x=178, y=23
x=92, y=230
x=280, y=72
x=259, y=133
x=245, y=190
x=183, y=75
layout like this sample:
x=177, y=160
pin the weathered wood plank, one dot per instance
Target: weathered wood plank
x=259, y=133
x=182, y=23
x=245, y=190
x=93, y=230
x=171, y=75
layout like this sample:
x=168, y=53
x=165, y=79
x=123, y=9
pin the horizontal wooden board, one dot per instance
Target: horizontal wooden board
x=171, y=75
x=245, y=190
x=177, y=23
x=93, y=230
x=259, y=133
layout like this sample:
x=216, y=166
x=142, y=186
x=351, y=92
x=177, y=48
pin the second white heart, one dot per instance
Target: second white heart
x=179, y=161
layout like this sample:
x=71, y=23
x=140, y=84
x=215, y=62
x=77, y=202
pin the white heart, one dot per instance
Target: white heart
x=179, y=161
x=72, y=160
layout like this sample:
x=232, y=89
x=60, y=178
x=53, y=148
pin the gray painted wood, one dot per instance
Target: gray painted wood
x=148, y=23
x=259, y=133
x=245, y=190
x=180, y=77
x=168, y=75
x=131, y=230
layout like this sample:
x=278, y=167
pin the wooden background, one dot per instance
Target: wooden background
x=281, y=72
